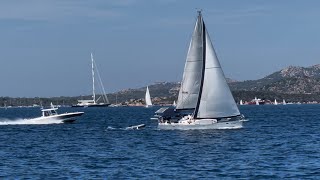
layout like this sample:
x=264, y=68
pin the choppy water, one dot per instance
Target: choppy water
x=277, y=142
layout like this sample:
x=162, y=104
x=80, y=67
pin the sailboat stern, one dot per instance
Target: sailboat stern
x=188, y=123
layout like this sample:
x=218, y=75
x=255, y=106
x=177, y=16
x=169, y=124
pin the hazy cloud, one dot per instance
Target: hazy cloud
x=58, y=10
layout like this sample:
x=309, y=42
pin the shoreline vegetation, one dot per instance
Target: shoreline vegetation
x=161, y=97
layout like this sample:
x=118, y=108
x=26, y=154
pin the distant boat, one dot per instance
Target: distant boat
x=140, y=126
x=275, y=102
x=284, y=102
x=174, y=104
x=148, y=98
x=256, y=101
x=52, y=114
x=241, y=103
x=94, y=102
x=205, y=100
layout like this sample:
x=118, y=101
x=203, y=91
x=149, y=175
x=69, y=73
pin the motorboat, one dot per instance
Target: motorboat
x=52, y=114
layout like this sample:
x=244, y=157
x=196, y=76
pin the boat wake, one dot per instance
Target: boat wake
x=29, y=121
x=234, y=127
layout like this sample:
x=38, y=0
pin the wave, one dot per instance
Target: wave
x=29, y=121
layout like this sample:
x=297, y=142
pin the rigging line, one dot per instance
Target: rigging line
x=102, y=87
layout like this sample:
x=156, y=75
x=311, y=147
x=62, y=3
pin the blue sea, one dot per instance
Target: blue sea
x=277, y=142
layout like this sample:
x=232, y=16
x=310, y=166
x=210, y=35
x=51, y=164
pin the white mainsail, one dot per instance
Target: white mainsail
x=241, y=102
x=148, y=98
x=190, y=85
x=275, y=102
x=216, y=100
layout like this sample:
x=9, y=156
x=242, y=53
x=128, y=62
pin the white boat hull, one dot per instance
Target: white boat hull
x=140, y=126
x=65, y=117
x=201, y=124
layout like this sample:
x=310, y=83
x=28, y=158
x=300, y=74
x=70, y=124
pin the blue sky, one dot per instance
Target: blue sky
x=45, y=45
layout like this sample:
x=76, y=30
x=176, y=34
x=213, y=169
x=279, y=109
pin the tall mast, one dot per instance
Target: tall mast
x=94, y=95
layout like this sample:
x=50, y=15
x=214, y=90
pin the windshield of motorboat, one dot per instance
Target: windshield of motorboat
x=53, y=112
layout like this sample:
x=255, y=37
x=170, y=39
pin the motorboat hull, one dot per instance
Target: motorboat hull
x=201, y=124
x=65, y=117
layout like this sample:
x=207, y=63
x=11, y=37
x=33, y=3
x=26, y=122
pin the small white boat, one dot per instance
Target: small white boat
x=52, y=114
x=241, y=102
x=275, y=102
x=148, y=98
x=256, y=100
x=284, y=102
x=174, y=104
x=140, y=126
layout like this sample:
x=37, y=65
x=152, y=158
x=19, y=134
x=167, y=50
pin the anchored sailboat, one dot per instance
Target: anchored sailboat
x=94, y=102
x=205, y=100
x=148, y=98
x=275, y=102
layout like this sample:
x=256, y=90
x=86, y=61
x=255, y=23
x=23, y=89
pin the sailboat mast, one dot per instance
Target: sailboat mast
x=93, y=90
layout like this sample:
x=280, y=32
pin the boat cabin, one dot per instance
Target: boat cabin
x=49, y=112
x=85, y=102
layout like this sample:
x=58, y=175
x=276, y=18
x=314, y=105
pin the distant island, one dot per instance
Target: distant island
x=294, y=84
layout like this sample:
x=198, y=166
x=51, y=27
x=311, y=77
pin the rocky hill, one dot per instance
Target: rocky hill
x=291, y=83
x=291, y=80
x=161, y=93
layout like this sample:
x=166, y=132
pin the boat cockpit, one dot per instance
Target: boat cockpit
x=49, y=112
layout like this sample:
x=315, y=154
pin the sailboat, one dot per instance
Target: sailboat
x=275, y=102
x=256, y=100
x=148, y=98
x=284, y=102
x=94, y=101
x=205, y=100
x=174, y=104
x=241, y=102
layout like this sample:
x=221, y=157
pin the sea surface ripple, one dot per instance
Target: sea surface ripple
x=277, y=142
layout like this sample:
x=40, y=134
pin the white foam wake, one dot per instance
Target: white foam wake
x=29, y=121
